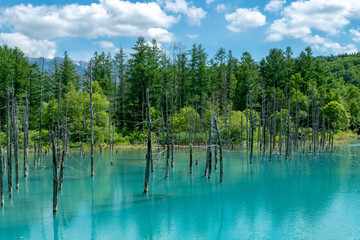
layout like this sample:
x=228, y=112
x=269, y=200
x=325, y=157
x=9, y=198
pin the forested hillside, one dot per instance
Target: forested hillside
x=305, y=91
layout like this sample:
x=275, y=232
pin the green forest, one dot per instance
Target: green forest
x=310, y=94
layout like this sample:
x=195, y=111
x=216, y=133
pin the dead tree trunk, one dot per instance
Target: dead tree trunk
x=288, y=138
x=91, y=124
x=84, y=130
x=172, y=130
x=79, y=126
x=191, y=160
x=220, y=149
x=296, y=123
x=8, y=143
x=55, y=175
x=274, y=119
x=16, y=152
x=208, y=153
x=281, y=126
x=62, y=162
x=1, y=172
x=167, y=139
x=332, y=137
x=26, y=140
x=215, y=153
x=162, y=129
x=252, y=129
x=10, y=133
x=149, y=147
x=35, y=150
x=40, y=117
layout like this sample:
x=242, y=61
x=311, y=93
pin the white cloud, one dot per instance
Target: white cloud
x=244, y=18
x=209, y=1
x=194, y=14
x=275, y=5
x=160, y=34
x=109, y=18
x=300, y=18
x=355, y=34
x=31, y=47
x=193, y=36
x=105, y=44
x=221, y=7
x=325, y=45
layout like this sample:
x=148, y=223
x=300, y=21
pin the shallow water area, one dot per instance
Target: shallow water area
x=305, y=198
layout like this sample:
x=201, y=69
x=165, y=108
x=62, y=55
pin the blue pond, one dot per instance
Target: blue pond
x=306, y=198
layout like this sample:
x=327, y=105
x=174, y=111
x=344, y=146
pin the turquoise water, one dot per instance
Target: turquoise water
x=307, y=198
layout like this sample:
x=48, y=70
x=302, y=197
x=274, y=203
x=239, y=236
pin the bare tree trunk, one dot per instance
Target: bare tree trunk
x=40, y=117
x=62, y=162
x=84, y=130
x=281, y=125
x=191, y=160
x=296, y=124
x=288, y=138
x=1, y=172
x=9, y=126
x=167, y=139
x=35, y=150
x=247, y=123
x=274, y=119
x=149, y=147
x=16, y=151
x=270, y=145
x=172, y=129
x=332, y=137
x=313, y=122
x=262, y=143
x=179, y=140
x=91, y=123
x=220, y=149
x=162, y=129
x=109, y=125
x=196, y=124
x=252, y=130
x=228, y=128
x=55, y=176
x=186, y=126
x=323, y=131
x=26, y=140
x=208, y=153
x=215, y=152
x=241, y=132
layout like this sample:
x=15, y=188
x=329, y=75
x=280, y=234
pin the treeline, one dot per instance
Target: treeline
x=302, y=91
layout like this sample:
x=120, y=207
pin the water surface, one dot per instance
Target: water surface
x=306, y=198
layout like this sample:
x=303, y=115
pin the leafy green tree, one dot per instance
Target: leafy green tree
x=247, y=78
x=67, y=73
x=336, y=112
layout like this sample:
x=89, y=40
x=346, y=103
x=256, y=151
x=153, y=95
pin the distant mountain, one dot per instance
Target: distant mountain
x=80, y=66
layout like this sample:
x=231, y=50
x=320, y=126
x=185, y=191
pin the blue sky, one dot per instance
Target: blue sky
x=48, y=28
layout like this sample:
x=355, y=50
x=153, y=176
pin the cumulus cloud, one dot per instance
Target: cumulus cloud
x=301, y=17
x=325, y=45
x=275, y=5
x=105, y=44
x=221, y=7
x=244, y=18
x=31, y=47
x=193, y=14
x=109, y=18
x=193, y=36
x=355, y=34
